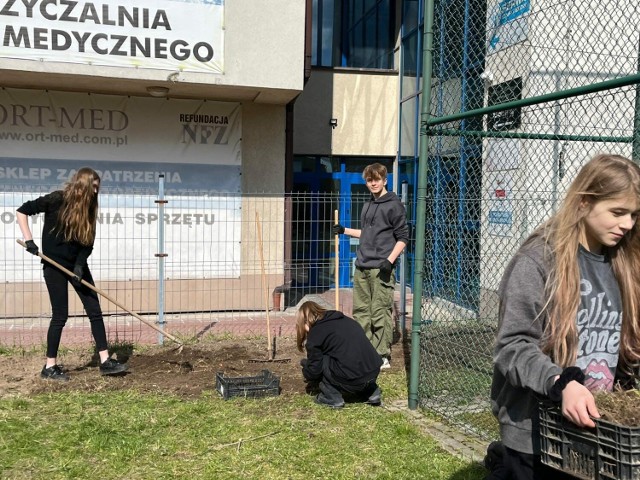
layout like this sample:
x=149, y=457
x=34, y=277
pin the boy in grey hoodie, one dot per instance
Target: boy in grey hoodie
x=383, y=236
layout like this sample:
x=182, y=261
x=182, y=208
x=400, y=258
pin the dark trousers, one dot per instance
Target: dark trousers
x=57, y=285
x=333, y=389
x=514, y=465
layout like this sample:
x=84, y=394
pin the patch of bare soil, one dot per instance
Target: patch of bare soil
x=621, y=407
x=165, y=369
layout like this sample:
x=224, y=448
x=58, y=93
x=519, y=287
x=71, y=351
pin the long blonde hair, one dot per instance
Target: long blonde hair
x=79, y=211
x=308, y=314
x=604, y=177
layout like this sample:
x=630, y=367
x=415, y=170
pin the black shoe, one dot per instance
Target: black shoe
x=375, y=399
x=322, y=400
x=54, y=373
x=111, y=367
x=494, y=456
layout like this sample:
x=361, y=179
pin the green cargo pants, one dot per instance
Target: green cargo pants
x=373, y=305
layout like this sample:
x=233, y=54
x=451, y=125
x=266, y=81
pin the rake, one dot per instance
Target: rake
x=111, y=299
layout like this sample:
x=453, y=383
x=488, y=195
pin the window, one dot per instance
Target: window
x=353, y=33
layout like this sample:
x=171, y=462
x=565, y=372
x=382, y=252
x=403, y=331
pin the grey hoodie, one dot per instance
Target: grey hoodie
x=522, y=373
x=521, y=369
x=382, y=224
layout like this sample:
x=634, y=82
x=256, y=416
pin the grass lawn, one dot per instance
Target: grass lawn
x=131, y=434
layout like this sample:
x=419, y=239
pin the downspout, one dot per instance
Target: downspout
x=421, y=203
x=288, y=157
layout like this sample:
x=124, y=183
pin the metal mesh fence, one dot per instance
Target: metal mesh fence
x=195, y=265
x=522, y=94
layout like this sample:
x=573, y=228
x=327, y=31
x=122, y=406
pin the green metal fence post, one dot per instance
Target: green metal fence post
x=635, y=151
x=421, y=204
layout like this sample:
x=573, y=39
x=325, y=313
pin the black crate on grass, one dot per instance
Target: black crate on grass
x=266, y=384
x=607, y=452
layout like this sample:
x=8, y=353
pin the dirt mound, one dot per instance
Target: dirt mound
x=185, y=373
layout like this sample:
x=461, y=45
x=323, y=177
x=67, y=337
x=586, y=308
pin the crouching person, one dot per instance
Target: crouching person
x=340, y=357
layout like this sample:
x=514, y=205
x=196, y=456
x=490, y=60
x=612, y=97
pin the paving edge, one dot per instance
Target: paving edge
x=450, y=439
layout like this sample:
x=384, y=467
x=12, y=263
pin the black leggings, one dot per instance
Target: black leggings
x=57, y=282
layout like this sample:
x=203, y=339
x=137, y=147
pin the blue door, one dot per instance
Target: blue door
x=324, y=185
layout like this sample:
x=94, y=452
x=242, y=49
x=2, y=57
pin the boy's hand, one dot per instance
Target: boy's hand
x=338, y=229
x=386, y=266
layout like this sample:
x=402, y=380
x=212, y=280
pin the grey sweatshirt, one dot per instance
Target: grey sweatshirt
x=521, y=369
x=383, y=223
x=522, y=373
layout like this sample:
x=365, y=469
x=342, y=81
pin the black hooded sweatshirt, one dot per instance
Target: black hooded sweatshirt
x=352, y=358
x=382, y=224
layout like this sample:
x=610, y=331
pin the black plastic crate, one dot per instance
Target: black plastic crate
x=607, y=452
x=266, y=384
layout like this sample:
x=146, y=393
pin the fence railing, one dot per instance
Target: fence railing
x=518, y=96
x=218, y=276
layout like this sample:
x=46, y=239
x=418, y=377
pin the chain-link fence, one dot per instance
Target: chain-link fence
x=522, y=94
x=195, y=265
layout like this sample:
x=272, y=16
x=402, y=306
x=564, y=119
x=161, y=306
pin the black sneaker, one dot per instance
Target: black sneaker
x=112, y=367
x=54, y=373
x=322, y=400
x=494, y=457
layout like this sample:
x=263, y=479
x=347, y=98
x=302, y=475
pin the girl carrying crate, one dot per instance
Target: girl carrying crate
x=561, y=329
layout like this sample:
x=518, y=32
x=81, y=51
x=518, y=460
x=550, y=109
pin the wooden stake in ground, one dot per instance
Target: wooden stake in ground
x=337, y=261
x=112, y=300
x=271, y=351
x=265, y=287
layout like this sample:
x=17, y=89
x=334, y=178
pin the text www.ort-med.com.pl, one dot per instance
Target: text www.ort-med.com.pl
x=114, y=141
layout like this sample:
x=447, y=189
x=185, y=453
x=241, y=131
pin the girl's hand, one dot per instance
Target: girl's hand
x=578, y=405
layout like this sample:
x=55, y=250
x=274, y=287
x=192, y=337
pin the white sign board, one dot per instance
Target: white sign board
x=178, y=35
x=194, y=146
x=506, y=23
x=500, y=216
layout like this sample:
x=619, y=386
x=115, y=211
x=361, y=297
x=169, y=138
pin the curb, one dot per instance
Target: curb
x=450, y=439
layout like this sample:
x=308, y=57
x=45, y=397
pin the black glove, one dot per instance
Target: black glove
x=386, y=267
x=337, y=229
x=78, y=271
x=32, y=248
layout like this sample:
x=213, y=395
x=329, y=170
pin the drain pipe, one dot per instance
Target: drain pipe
x=403, y=273
x=421, y=204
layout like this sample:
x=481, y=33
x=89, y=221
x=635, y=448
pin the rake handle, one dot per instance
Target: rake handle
x=105, y=295
x=336, y=240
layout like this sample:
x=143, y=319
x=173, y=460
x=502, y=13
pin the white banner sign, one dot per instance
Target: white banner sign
x=38, y=124
x=179, y=35
x=201, y=239
x=193, y=146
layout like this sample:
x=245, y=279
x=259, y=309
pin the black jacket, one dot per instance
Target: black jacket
x=54, y=246
x=352, y=358
x=383, y=223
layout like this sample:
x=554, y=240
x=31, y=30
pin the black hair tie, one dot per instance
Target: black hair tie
x=569, y=374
